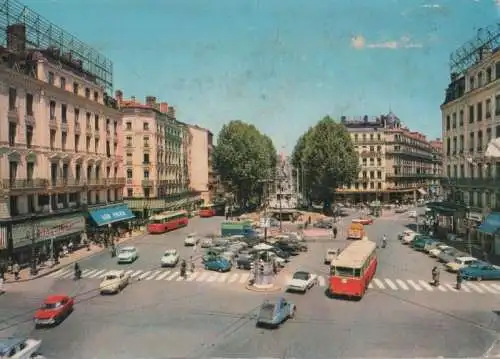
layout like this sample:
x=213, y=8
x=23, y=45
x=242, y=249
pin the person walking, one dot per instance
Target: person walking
x=459, y=280
x=16, y=269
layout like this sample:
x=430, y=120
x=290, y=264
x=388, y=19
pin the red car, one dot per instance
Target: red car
x=363, y=221
x=53, y=310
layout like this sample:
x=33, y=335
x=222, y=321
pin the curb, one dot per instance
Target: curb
x=53, y=270
x=263, y=290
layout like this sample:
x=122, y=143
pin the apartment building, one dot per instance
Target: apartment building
x=435, y=188
x=155, y=156
x=202, y=177
x=396, y=164
x=60, y=143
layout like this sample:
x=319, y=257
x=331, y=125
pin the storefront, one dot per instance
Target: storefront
x=107, y=221
x=50, y=235
x=490, y=240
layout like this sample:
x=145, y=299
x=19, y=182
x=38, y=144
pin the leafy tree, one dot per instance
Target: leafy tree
x=243, y=157
x=328, y=159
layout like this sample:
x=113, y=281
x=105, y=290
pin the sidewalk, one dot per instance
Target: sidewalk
x=76, y=256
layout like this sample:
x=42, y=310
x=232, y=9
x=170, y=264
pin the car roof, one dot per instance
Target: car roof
x=55, y=298
x=467, y=258
x=6, y=344
x=170, y=250
x=115, y=272
x=302, y=271
x=128, y=248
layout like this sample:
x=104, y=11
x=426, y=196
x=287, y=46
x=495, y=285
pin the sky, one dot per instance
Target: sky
x=280, y=64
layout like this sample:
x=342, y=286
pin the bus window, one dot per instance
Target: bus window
x=357, y=273
x=343, y=271
x=156, y=221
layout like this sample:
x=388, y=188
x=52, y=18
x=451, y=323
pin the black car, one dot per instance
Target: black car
x=280, y=253
x=245, y=260
x=288, y=247
x=322, y=224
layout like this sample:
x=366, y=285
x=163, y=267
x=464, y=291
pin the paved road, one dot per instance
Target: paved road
x=202, y=319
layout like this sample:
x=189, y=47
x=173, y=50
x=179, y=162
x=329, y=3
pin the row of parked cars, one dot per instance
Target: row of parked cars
x=454, y=260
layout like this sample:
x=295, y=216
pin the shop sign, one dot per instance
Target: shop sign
x=46, y=229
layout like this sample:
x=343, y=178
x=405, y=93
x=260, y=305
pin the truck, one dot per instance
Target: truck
x=240, y=228
x=356, y=231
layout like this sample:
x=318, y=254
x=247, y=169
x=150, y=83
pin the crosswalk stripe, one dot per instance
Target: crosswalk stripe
x=202, y=277
x=496, y=286
x=426, y=285
x=172, y=276
x=233, y=278
x=105, y=274
x=475, y=287
x=451, y=287
x=163, y=275
x=465, y=289
x=180, y=278
x=379, y=283
x=487, y=288
x=244, y=277
x=414, y=285
x=135, y=274
x=193, y=276
x=60, y=273
x=99, y=272
x=89, y=273
x=67, y=275
x=222, y=278
x=391, y=284
x=212, y=278
x=402, y=284
x=441, y=288
x=85, y=272
x=129, y=272
x=154, y=274
x=144, y=275
x=321, y=281
x=370, y=285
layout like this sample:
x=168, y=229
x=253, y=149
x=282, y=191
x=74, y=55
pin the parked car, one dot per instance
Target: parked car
x=449, y=255
x=287, y=247
x=281, y=253
x=20, y=348
x=218, y=264
x=170, y=258
x=206, y=242
x=127, y=254
x=191, y=240
x=114, y=282
x=404, y=234
x=323, y=225
x=480, y=271
x=408, y=238
x=245, y=260
x=274, y=312
x=435, y=251
x=429, y=246
x=331, y=254
x=301, y=281
x=461, y=262
x=412, y=214
x=363, y=220
x=400, y=210
x=54, y=310
x=419, y=244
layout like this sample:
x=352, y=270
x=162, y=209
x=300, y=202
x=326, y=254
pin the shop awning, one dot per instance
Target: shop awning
x=108, y=215
x=491, y=224
x=422, y=191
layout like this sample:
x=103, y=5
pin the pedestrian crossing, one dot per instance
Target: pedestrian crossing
x=415, y=285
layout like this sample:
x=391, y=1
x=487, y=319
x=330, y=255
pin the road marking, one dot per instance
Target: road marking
x=426, y=285
x=475, y=288
x=106, y=273
x=441, y=288
x=496, y=286
x=67, y=275
x=244, y=277
x=414, y=285
x=391, y=284
x=154, y=274
x=465, y=289
x=370, y=285
x=89, y=273
x=85, y=272
x=202, y=277
x=163, y=275
x=94, y=275
x=222, y=278
x=60, y=273
x=144, y=275
x=181, y=278
x=451, y=287
x=321, y=281
x=136, y=274
x=212, y=278
x=487, y=288
x=233, y=278
x=172, y=276
x=379, y=283
x=402, y=284
x=129, y=272
x=193, y=276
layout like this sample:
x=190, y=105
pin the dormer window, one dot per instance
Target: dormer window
x=87, y=92
x=96, y=96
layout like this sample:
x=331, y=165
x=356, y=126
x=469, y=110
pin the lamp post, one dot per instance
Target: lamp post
x=33, y=233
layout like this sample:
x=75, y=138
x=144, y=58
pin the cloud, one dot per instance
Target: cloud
x=497, y=3
x=359, y=42
x=431, y=6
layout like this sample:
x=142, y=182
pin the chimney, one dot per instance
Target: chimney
x=119, y=96
x=171, y=111
x=150, y=101
x=164, y=107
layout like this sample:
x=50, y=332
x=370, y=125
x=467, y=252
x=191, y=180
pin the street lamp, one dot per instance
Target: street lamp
x=32, y=234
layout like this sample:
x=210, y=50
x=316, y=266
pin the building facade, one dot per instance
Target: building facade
x=396, y=165
x=155, y=150
x=61, y=144
x=202, y=178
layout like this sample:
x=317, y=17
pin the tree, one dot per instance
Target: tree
x=327, y=158
x=243, y=157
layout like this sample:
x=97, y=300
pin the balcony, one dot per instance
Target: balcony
x=78, y=129
x=129, y=162
x=29, y=119
x=53, y=122
x=118, y=181
x=148, y=183
x=25, y=184
x=97, y=134
x=410, y=175
x=365, y=154
x=88, y=129
x=96, y=182
x=404, y=152
x=108, y=135
x=360, y=141
x=13, y=115
x=485, y=182
x=64, y=126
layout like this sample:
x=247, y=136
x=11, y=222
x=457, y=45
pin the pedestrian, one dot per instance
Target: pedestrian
x=195, y=247
x=335, y=232
x=15, y=270
x=459, y=280
x=1, y=285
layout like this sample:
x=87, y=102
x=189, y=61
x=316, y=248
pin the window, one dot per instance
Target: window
x=77, y=115
x=145, y=126
x=12, y=133
x=129, y=173
x=129, y=158
x=96, y=145
x=479, y=111
x=147, y=192
x=471, y=114
x=29, y=104
x=96, y=122
x=29, y=136
x=448, y=121
x=96, y=96
x=454, y=120
x=64, y=112
x=488, y=75
x=471, y=83
x=461, y=118
x=108, y=171
x=488, y=135
x=52, y=139
x=497, y=105
x=52, y=110
x=480, y=79
x=75, y=88
x=51, y=78
x=146, y=174
x=87, y=92
x=497, y=133
x=454, y=145
x=461, y=143
x=64, y=137
x=129, y=126
x=62, y=83
x=487, y=109
x=77, y=143
x=87, y=144
x=145, y=158
x=471, y=142
x=78, y=171
x=146, y=141
x=497, y=70
x=12, y=98
x=129, y=141
x=108, y=149
x=130, y=192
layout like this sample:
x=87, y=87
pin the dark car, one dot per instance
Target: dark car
x=245, y=260
x=280, y=253
x=288, y=247
x=323, y=224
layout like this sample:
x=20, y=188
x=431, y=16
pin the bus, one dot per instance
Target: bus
x=212, y=210
x=352, y=271
x=167, y=221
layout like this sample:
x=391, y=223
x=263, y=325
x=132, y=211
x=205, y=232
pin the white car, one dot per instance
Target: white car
x=170, y=258
x=330, y=255
x=407, y=238
x=460, y=263
x=302, y=281
x=279, y=261
x=206, y=242
x=20, y=348
x=412, y=214
x=191, y=240
x=435, y=252
x=114, y=282
x=127, y=254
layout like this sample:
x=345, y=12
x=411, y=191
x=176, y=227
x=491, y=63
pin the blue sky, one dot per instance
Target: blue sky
x=280, y=64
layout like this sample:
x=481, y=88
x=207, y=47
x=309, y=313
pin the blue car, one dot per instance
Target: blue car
x=218, y=264
x=274, y=312
x=480, y=271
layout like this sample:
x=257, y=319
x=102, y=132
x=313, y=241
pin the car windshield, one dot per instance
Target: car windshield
x=51, y=305
x=332, y=251
x=171, y=253
x=127, y=250
x=111, y=277
x=267, y=311
x=301, y=275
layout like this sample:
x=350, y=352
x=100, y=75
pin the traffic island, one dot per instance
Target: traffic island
x=263, y=288
x=264, y=282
